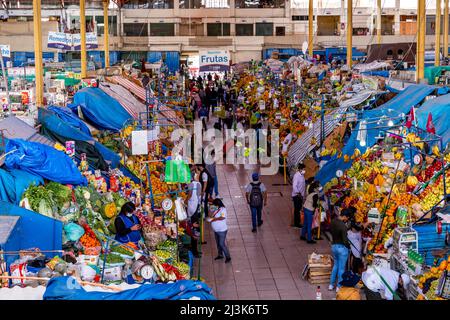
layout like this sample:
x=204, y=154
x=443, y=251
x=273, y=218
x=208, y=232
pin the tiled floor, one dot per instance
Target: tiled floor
x=265, y=265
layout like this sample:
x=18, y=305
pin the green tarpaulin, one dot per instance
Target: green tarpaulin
x=432, y=72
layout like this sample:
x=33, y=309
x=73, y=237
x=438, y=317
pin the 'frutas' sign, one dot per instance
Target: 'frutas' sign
x=214, y=61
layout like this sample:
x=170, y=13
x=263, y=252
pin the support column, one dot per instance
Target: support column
x=379, y=21
x=349, y=32
x=83, y=38
x=397, y=17
x=445, y=52
x=106, y=32
x=37, y=32
x=421, y=21
x=310, y=28
x=437, y=45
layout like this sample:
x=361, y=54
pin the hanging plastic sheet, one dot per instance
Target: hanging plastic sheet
x=67, y=288
x=104, y=112
x=43, y=161
x=440, y=110
x=67, y=116
x=13, y=184
x=401, y=103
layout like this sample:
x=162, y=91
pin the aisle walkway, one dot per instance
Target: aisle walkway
x=265, y=265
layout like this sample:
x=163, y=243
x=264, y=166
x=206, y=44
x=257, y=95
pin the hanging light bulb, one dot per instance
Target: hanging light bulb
x=390, y=123
x=362, y=143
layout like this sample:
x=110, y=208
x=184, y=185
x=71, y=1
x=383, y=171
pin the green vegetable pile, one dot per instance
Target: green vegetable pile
x=169, y=245
x=182, y=267
x=163, y=255
x=41, y=200
x=114, y=258
x=122, y=250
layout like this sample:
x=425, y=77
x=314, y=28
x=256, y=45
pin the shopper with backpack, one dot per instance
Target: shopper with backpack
x=256, y=194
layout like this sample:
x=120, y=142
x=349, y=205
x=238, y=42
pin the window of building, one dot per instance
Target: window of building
x=201, y=4
x=218, y=29
x=269, y=4
x=360, y=31
x=264, y=29
x=162, y=29
x=148, y=4
x=244, y=29
x=112, y=21
x=191, y=29
x=280, y=31
x=302, y=18
x=135, y=29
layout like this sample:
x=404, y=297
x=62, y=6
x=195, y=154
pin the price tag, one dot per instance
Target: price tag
x=278, y=115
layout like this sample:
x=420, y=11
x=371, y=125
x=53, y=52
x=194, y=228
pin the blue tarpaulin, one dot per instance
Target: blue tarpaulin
x=14, y=182
x=58, y=126
x=43, y=161
x=66, y=115
x=67, y=288
x=104, y=112
x=379, y=73
x=401, y=103
x=440, y=111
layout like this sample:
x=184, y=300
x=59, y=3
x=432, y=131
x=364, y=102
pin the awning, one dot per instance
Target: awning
x=138, y=91
x=133, y=106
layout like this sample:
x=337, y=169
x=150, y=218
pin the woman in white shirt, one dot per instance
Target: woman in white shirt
x=218, y=220
x=195, y=190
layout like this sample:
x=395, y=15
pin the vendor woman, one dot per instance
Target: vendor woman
x=127, y=225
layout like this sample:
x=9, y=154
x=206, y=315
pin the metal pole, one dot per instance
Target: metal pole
x=83, y=38
x=310, y=27
x=39, y=73
x=421, y=18
x=106, y=32
x=349, y=32
x=445, y=52
x=5, y=79
x=437, y=45
x=379, y=21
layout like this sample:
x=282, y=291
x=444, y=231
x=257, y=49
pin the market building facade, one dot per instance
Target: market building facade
x=176, y=30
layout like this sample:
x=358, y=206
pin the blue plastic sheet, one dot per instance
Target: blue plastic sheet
x=440, y=111
x=379, y=73
x=13, y=184
x=401, y=103
x=44, y=161
x=67, y=116
x=56, y=125
x=67, y=288
x=101, y=110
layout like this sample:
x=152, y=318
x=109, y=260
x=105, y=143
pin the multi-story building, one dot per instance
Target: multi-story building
x=177, y=29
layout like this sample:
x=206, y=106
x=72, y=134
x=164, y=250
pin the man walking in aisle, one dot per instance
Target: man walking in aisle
x=212, y=171
x=256, y=194
x=298, y=193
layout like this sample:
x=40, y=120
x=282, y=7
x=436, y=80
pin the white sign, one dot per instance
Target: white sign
x=21, y=71
x=139, y=142
x=214, y=61
x=6, y=50
x=67, y=41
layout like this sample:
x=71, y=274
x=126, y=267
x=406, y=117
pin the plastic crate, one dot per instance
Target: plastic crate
x=444, y=285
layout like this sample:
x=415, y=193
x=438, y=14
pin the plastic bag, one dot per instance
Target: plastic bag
x=73, y=231
x=177, y=171
x=180, y=209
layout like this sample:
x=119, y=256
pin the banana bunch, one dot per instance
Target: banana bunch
x=356, y=154
x=412, y=181
x=126, y=132
x=447, y=157
x=436, y=151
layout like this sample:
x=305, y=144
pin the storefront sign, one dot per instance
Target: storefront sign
x=214, y=61
x=21, y=72
x=6, y=50
x=91, y=41
x=59, y=40
x=67, y=41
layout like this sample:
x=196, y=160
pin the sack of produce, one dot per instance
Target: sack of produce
x=73, y=231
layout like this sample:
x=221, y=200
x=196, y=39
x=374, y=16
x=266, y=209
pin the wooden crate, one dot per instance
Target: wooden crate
x=319, y=270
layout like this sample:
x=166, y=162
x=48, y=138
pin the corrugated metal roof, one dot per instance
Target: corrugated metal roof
x=14, y=128
x=7, y=224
